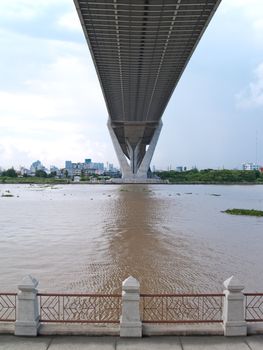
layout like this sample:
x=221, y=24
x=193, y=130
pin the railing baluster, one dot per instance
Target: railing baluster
x=80, y=308
x=8, y=307
x=254, y=307
x=182, y=308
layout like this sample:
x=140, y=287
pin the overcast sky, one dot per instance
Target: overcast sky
x=52, y=109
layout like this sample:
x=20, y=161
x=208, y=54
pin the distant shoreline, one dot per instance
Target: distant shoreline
x=53, y=182
x=188, y=177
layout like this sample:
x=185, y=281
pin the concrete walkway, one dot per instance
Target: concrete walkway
x=9, y=342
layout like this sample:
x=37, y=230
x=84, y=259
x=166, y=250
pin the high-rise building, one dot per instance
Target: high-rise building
x=250, y=166
x=37, y=165
x=68, y=164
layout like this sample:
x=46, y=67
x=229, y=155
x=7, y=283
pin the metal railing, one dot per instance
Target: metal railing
x=8, y=307
x=254, y=307
x=155, y=308
x=80, y=308
x=181, y=308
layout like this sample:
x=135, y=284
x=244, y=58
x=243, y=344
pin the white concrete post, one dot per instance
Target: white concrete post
x=130, y=322
x=27, y=316
x=234, y=311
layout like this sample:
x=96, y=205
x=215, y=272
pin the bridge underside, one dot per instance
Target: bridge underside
x=140, y=49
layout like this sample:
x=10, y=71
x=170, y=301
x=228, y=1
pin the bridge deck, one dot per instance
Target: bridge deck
x=140, y=49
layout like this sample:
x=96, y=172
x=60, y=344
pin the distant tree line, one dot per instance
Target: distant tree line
x=211, y=176
x=41, y=176
x=39, y=173
x=9, y=173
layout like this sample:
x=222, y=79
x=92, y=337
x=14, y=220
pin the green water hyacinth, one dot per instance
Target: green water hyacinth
x=249, y=212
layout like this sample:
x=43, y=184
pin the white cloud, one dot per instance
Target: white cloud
x=70, y=21
x=68, y=87
x=66, y=143
x=252, y=10
x=258, y=25
x=25, y=9
x=252, y=95
x=29, y=105
x=26, y=150
x=57, y=114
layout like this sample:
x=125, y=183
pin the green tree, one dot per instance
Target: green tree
x=53, y=174
x=212, y=176
x=10, y=173
x=40, y=173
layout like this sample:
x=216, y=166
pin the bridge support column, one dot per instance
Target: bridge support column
x=145, y=164
x=125, y=168
x=130, y=171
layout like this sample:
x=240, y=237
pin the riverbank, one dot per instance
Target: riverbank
x=52, y=181
x=32, y=180
x=212, y=177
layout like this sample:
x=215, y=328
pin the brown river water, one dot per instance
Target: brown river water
x=172, y=238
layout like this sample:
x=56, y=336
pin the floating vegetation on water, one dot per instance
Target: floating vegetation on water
x=42, y=187
x=7, y=194
x=146, y=190
x=249, y=212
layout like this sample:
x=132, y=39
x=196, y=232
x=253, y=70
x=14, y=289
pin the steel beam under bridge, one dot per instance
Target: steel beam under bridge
x=140, y=49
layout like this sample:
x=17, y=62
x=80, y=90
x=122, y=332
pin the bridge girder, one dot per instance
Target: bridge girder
x=140, y=49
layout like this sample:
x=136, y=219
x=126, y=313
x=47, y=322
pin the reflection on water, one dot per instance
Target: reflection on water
x=91, y=237
x=137, y=247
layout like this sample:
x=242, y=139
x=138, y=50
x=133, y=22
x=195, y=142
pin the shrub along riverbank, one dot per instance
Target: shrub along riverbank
x=211, y=176
x=31, y=180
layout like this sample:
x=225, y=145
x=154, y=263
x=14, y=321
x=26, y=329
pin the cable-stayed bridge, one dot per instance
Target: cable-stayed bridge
x=140, y=49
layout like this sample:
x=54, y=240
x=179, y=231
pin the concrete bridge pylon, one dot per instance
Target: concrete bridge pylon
x=133, y=168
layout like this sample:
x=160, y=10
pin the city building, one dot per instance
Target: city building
x=24, y=171
x=37, y=165
x=84, y=169
x=250, y=166
x=55, y=170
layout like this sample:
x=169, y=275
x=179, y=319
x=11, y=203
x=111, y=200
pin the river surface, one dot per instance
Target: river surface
x=172, y=238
